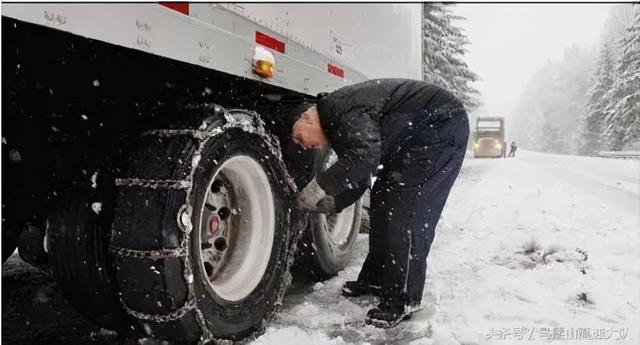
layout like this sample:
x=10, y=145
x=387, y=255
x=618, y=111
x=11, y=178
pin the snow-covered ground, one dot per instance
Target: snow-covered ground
x=533, y=250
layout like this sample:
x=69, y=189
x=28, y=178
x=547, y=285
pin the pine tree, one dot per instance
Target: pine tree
x=592, y=120
x=622, y=121
x=556, y=95
x=444, y=50
x=553, y=139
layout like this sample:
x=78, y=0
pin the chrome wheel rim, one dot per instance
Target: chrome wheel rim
x=237, y=228
x=339, y=226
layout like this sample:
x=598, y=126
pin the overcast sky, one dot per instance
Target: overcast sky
x=510, y=42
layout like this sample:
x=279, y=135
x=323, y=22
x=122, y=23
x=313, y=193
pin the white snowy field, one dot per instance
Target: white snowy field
x=540, y=249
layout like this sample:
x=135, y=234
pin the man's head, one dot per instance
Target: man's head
x=307, y=130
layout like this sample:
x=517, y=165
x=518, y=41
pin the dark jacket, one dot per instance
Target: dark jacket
x=365, y=121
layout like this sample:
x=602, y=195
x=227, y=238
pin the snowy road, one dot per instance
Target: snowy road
x=527, y=248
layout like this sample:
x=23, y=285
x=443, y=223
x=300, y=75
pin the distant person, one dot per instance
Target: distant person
x=514, y=147
x=415, y=134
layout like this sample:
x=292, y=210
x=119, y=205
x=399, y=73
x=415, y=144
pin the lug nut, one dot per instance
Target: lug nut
x=220, y=244
x=224, y=213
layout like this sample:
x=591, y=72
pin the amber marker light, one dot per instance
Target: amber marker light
x=263, y=62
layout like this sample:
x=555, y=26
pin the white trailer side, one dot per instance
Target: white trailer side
x=357, y=41
x=378, y=40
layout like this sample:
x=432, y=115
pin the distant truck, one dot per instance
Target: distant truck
x=488, y=140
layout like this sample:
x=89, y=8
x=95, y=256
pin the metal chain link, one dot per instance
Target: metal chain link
x=170, y=133
x=153, y=184
x=172, y=316
x=148, y=254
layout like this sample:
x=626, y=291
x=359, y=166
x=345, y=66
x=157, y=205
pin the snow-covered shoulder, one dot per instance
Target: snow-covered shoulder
x=528, y=250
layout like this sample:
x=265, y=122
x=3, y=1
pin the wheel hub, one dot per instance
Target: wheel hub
x=237, y=228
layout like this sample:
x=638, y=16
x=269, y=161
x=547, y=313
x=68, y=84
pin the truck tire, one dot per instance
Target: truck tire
x=77, y=238
x=326, y=246
x=205, y=231
x=330, y=240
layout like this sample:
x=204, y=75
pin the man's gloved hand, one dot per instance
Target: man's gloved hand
x=309, y=197
x=326, y=205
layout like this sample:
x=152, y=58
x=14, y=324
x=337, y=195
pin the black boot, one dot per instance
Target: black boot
x=358, y=288
x=388, y=314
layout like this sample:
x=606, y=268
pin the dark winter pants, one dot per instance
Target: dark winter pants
x=407, y=200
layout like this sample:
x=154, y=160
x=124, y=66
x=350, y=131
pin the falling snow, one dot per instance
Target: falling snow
x=15, y=156
x=96, y=207
x=94, y=180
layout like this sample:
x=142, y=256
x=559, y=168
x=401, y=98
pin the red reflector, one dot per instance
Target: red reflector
x=269, y=42
x=182, y=7
x=335, y=70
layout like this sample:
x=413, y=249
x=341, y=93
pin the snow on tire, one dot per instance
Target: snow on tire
x=204, y=234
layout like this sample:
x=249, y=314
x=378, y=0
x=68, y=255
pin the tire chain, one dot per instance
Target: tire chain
x=153, y=184
x=156, y=254
x=172, y=316
x=171, y=133
x=183, y=250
